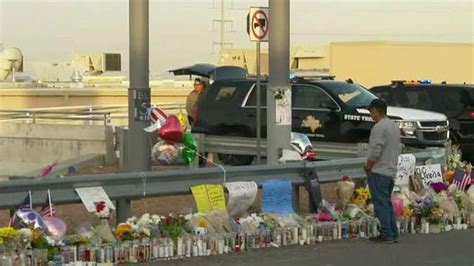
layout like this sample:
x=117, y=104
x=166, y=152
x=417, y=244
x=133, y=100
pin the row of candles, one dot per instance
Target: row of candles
x=153, y=249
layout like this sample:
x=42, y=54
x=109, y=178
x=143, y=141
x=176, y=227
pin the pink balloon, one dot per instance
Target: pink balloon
x=55, y=228
x=397, y=204
x=171, y=131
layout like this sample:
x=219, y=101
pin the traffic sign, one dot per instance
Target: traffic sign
x=258, y=24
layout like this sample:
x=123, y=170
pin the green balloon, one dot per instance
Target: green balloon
x=189, y=150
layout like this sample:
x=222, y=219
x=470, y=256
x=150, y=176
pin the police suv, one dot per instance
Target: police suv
x=322, y=108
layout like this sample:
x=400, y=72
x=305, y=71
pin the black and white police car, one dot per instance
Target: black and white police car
x=322, y=108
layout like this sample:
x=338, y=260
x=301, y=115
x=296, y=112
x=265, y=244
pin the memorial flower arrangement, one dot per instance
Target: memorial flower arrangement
x=361, y=197
x=172, y=226
x=7, y=234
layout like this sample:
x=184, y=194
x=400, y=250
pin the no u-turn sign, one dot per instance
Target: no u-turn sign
x=258, y=24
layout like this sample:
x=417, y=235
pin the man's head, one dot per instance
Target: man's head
x=199, y=84
x=378, y=109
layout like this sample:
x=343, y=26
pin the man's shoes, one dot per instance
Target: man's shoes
x=395, y=240
x=382, y=239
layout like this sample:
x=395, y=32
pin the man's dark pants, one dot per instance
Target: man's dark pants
x=381, y=188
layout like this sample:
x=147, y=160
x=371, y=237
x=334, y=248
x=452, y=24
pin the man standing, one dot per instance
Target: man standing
x=381, y=168
x=193, y=98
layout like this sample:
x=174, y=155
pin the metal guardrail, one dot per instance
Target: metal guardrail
x=104, y=113
x=124, y=187
x=248, y=146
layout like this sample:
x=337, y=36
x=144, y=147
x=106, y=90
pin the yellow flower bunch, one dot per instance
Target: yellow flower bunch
x=122, y=229
x=7, y=233
x=361, y=196
x=406, y=211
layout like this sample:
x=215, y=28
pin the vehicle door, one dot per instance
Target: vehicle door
x=249, y=110
x=314, y=112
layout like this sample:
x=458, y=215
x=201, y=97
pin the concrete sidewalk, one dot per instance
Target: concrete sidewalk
x=444, y=249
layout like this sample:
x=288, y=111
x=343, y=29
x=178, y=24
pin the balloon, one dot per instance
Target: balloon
x=28, y=216
x=171, y=131
x=154, y=127
x=300, y=142
x=165, y=153
x=397, y=204
x=183, y=119
x=189, y=149
x=55, y=228
x=156, y=114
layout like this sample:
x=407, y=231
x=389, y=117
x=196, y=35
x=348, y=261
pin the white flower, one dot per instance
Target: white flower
x=156, y=219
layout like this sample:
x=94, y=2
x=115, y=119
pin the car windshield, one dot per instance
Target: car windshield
x=352, y=95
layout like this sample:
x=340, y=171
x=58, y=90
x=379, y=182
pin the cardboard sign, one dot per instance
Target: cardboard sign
x=91, y=195
x=241, y=196
x=405, y=169
x=208, y=197
x=429, y=173
x=277, y=197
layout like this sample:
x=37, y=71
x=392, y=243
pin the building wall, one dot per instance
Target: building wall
x=376, y=63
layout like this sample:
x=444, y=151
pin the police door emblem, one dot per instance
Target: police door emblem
x=312, y=123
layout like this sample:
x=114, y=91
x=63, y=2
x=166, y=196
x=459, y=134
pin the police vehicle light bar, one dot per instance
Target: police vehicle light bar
x=412, y=82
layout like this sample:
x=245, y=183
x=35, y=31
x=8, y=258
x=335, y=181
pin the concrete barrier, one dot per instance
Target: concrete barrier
x=25, y=147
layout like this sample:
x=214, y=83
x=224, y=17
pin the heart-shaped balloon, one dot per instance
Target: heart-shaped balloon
x=171, y=131
x=55, y=227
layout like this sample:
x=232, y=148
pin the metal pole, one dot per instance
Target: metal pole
x=138, y=158
x=278, y=134
x=259, y=107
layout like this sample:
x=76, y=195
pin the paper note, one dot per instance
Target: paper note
x=91, y=195
x=429, y=173
x=405, y=169
x=208, y=197
x=241, y=196
x=277, y=196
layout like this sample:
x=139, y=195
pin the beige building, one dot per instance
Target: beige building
x=373, y=63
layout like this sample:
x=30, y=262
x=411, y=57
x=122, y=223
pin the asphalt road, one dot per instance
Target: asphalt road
x=445, y=249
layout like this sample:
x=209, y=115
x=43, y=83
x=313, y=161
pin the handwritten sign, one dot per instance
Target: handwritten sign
x=277, y=197
x=241, y=196
x=405, y=169
x=209, y=197
x=429, y=173
x=91, y=195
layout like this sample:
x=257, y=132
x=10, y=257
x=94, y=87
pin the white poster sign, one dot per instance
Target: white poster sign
x=282, y=106
x=429, y=173
x=241, y=196
x=91, y=195
x=405, y=169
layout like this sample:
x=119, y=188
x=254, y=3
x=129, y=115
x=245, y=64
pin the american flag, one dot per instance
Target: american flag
x=461, y=179
x=48, y=207
x=25, y=204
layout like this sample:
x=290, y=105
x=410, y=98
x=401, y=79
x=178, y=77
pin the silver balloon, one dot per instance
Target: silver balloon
x=300, y=143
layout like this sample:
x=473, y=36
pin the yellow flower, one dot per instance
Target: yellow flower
x=8, y=232
x=406, y=212
x=122, y=229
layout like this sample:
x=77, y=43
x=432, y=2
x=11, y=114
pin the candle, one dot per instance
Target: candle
x=195, y=250
x=200, y=251
x=320, y=238
x=161, y=251
x=188, y=247
x=398, y=226
x=220, y=247
x=335, y=231
x=171, y=248
x=427, y=228
x=179, y=247
x=295, y=235
x=303, y=234
x=412, y=226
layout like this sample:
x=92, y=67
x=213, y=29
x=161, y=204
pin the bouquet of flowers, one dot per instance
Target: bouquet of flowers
x=172, y=226
x=7, y=234
x=344, y=191
x=102, y=229
x=361, y=197
x=436, y=216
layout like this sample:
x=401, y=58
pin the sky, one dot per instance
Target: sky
x=182, y=32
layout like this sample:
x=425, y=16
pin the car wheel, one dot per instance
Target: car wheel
x=235, y=159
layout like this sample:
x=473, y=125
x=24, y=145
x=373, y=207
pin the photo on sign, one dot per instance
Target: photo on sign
x=283, y=108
